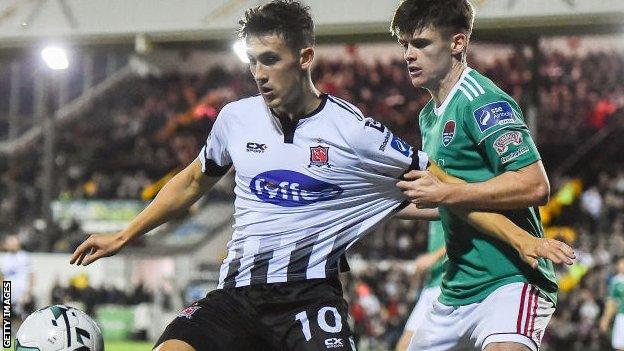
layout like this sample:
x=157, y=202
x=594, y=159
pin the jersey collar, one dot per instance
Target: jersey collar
x=440, y=110
x=288, y=126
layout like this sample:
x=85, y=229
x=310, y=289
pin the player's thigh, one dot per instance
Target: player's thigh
x=506, y=346
x=444, y=328
x=515, y=313
x=324, y=326
x=214, y=323
x=404, y=341
x=174, y=345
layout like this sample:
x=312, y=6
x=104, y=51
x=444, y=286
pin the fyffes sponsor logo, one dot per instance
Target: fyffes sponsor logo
x=501, y=144
x=292, y=189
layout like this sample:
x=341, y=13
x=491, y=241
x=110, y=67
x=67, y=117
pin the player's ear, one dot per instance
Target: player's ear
x=306, y=57
x=459, y=43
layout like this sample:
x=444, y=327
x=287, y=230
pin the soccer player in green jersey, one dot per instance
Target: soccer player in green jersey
x=491, y=300
x=615, y=308
x=432, y=263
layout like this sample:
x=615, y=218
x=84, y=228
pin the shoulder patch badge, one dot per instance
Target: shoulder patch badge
x=501, y=144
x=493, y=114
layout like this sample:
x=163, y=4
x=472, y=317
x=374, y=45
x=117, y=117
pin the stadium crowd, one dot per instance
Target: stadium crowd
x=138, y=136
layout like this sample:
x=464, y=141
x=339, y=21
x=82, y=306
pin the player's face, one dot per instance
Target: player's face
x=620, y=266
x=276, y=70
x=428, y=54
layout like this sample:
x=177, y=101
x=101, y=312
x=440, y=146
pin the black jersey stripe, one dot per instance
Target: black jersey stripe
x=345, y=107
x=260, y=267
x=230, y=278
x=349, y=105
x=300, y=257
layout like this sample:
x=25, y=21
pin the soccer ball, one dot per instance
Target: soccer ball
x=59, y=328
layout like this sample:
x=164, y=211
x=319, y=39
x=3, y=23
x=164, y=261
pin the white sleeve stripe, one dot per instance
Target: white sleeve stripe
x=472, y=89
x=474, y=81
x=470, y=98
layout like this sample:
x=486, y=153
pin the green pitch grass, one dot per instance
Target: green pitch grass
x=128, y=346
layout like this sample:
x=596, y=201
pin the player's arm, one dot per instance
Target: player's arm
x=522, y=188
x=424, y=262
x=175, y=197
x=610, y=311
x=498, y=226
x=412, y=212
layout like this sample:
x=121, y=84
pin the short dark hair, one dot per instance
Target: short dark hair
x=286, y=18
x=413, y=15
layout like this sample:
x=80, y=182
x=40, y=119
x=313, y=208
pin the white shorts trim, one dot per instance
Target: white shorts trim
x=517, y=338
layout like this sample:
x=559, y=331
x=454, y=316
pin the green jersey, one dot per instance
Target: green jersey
x=434, y=243
x=477, y=133
x=616, y=291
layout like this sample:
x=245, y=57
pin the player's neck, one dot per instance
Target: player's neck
x=308, y=101
x=443, y=89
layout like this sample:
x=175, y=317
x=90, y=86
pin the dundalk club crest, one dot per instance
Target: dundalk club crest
x=319, y=156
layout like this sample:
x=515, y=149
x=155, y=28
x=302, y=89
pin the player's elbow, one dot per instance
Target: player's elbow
x=541, y=193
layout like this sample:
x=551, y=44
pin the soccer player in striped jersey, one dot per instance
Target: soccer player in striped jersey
x=490, y=299
x=312, y=176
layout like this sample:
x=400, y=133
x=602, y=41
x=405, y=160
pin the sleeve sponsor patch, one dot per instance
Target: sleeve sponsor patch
x=501, y=144
x=399, y=145
x=493, y=114
x=514, y=155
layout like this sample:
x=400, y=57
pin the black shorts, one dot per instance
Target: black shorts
x=298, y=316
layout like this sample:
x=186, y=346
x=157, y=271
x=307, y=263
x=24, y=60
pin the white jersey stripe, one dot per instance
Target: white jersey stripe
x=474, y=81
x=278, y=264
x=472, y=89
x=320, y=253
x=463, y=90
x=225, y=266
x=250, y=249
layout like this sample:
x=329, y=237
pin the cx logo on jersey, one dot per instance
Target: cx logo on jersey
x=333, y=343
x=256, y=147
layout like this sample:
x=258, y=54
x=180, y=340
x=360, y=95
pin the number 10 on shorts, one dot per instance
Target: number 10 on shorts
x=321, y=319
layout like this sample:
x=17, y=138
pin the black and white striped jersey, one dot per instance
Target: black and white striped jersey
x=304, y=193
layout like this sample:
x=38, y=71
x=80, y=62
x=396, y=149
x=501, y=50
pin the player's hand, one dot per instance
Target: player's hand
x=424, y=262
x=423, y=189
x=554, y=250
x=96, y=247
x=604, y=326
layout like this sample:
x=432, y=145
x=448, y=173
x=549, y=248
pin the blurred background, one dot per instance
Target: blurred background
x=101, y=102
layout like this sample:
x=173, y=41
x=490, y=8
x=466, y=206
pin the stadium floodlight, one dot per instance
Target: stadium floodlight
x=55, y=57
x=241, y=51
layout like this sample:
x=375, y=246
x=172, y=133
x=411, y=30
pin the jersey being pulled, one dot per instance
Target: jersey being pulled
x=304, y=194
x=477, y=133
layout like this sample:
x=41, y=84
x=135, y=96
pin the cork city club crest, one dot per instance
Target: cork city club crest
x=319, y=156
x=448, y=133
